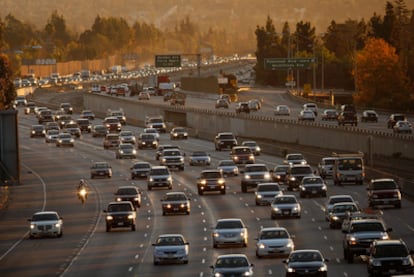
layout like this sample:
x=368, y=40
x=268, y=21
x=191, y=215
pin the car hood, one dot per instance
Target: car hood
x=284, y=206
x=311, y=264
x=231, y=230
x=274, y=242
x=168, y=248
x=45, y=222
x=269, y=193
x=229, y=270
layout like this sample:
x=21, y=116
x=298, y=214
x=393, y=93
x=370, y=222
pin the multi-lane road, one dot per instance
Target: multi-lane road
x=49, y=179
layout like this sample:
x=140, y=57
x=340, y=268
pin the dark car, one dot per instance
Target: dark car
x=347, y=118
x=72, y=128
x=87, y=114
x=66, y=108
x=37, y=131
x=369, y=116
x=390, y=257
x=222, y=103
x=129, y=193
x=224, y=140
x=175, y=202
x=242, y=155
x=147, y=141
x=242, y=107
x=279, y=173
x=112, y=123
x=111, y=141
x=384, y=192
x=99, y=131
x=394, y=118
x=84, y=125
x=312, y=186
x=329, y=114
x=211, y=180
x=295, y=175
x=162, y=147
x=120, y=215
x=307, y=262
x=140, y=170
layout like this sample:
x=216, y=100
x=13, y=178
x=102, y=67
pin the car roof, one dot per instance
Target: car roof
x=127, y=187
x=229, y=219
x=273, y=229
x=170, y=235
x=46, y=212
x=175, y=193
x=232, y=255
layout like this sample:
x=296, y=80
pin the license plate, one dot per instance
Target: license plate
x=120, y=224
x=286, y=212
x=392, y=271
x=175, y=209
x=101, y=173
x=314, y=191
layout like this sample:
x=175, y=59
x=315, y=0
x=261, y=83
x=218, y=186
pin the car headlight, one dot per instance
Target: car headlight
x=302, y=188
x=407, y=261
x=168, y=206
x=130, y=216
x=236, y=158
x=259, y=196
x=247, y=273
x=324, y=187
x=292, y=179
x=183, y=205
x=32, y=226
x=57, y=225
x=136, y=199
x=290, y=269
x=385, y=236
x=203, y=182
x=251, y=157
x=169, y=179
x=118, y=199
x=261, y=246
x=335, y=218
x=121, y=151
x=221, y=181
x=275, y=209
x=323, y=268
x=134, y=151
x=243, y=234
x=72, y=140
x=182, y=159
x=267, y=176
x=374, y=262
x=296, y=209
x=109, y=217
x=246, y=176
x=216, y=235
x=163, y=160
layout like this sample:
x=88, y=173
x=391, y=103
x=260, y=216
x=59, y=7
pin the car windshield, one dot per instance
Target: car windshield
x=65, y=136
x=179, y=130
x=329, y=161
x=232, y=262
x=199, y=154
x=310, y=181
x=170, y=241
x=119, y=208
x=141, y=165
x=147, y=137
x=384, y=185
x=210, y=174
x=172, y=153
x=257, y=168
x=101, y=165
x=161, y=171
x=388, y=251
x=175, y=197
x=305, y=257
x=125, y=134
x=281, y=169
x=44, y=217
x=295, y=157
x=284, y=200
x=242, y=151
x=226, y=137
x=270, y=187
x=226, y=163
x=344, y=208
x=274, y=234
x=301, y=170
x=230, y=224
x=126, y=191
x=350, y=164
x=367, y=227
x=334, y=200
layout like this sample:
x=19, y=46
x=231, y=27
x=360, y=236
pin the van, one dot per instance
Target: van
x=349, y=168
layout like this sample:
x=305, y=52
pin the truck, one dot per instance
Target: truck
x=85, y=74
x=228, y=85
x=348, y=168
x=178, y=98
x=164, y=84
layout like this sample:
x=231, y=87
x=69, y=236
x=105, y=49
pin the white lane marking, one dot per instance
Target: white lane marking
x=130, y=269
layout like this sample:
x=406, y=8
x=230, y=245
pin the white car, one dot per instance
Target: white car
x=230, y=231
x=171, y=248
x=152, y=131
x=266, y=192
x=232, y=265
x=285, y=206
x=253, y=146
x=311, y=106
x=274, y=241
x=228, y=167
x=282, y=110
x=306, y=115
x=47, y=223
x=127, y=137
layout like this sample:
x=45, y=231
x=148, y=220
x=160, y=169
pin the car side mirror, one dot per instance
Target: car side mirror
x=29, y=219
x=285, y=261
x=389, y=230
x=104, y=211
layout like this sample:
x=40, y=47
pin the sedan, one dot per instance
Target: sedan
x=230, y=231
x=51, y=136
x=171, y=248
x=369, y=116
x=232, y=265
x=65, y=139
x=140, y=170
x=274, y=241
x=37, y=130
x=312, y=186
x=178, y=133
x=228, y=167
x=99, y=131
x=253, y=146
x=87, y=114
x=126, y=150
x=222, y=103
x=339, y=212
x=175, y=202
x=336, y=199
x=403, y=127
x=101, y=169
x=306, y=263
x=127, y=137
x=329, y=114
x=279, y=173
x=285, y=206
x=306, y=115
x=282, y=110
x=144, y=96
x=266, y=192
x=47, y=223
x=199, y=158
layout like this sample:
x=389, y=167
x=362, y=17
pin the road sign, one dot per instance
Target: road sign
x=283, y=63
x=167, y=60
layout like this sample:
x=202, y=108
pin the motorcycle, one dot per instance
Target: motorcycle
x=82, y=194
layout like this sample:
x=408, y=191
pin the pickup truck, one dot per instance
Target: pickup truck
x=172, y=158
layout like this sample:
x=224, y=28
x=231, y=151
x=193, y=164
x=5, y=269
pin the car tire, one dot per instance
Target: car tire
x=156, y=263
x=108, y=228
x=60, y=234
x=200, y=192
x=398, y=206
x=149, y=187
x=133, y=227
x=243, y=188
x=215, y=245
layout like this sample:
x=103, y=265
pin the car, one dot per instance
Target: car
x=274, y=242
x=265, y=192
x=333, y=199
x=127, y=137
x=45, y=116
x=175, y=202
x=72, y=128
x=225, y=97
x=20, y=101
x=144, y=96
x=129, y=193
x=242, y=155
x=111, y=141
x=306, y=262
x=306, y=115
x=384, y=191
x=161, y=148
x=37, y=130
x=99, y=130
x=156, y=122
x=152, y=131
x=171, y=248
x=126, y=150
x=230, y=231
x=211, y=180
x=254, y=104
x=232, y=265
x=146, y=140
x=52, y=126
x=390, y=257
x=112, y=124
x=66, y=108
x=87, y=114
x=222, y=103
x=311, y=106
x=359, y=236
x=118, y=114
x=51, y=136
x=228, y=168
x=394, y=118
x=369, y=116
x=178, y=133
x=101, y=169
x=329, y=114
x=360, y=215
x=347, y=118
x=253, y=145
x=349, y=168
x=281, y=110
x=295, y=174
x=84, y=124
x=45, y=223
x=312, y=186
x=140, y=170
x=285, y=206
x=325, y=167
x=120, y=214
x=29, y=108
x=159, y=176
x=278, y=173
x=199, y=158
x=172, y=158
x=254, y=174
x=62, y=119
x=224, y=140
x=402, y=127
x=65, y=139
x=339, y=211
x=242, y=107
x=294, y=158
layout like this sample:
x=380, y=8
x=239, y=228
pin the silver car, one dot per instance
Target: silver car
x=65, y=139
x=254, y=174
x=47, y=223
x=285, y=206
x=232, y=265
x=200, y=158
x=230, y=231
x=228, y=167
x=266, y=192
x=336, y=199
x=126, y=150
x=127, y=137
x=170, y=248
x=175, y=202
x=274, y=241
x=140, y=170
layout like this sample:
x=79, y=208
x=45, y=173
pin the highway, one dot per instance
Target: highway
x=49, y=179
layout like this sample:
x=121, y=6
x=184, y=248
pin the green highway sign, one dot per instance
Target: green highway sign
x=167, y=60
x=283, y=63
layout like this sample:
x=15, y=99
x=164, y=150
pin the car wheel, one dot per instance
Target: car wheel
x=187, y=212
x=108, y=228
x=200, y=192
x=149, y=187
x=92, y=176
x=398, y=206
x=244, y=188
x=272, y=216
x=31, y=237
x=223, y=191
x=156, y=263
x=133, y=227
x=215, y=245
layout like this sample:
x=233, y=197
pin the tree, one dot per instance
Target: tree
x=380, y=79
x=7, y=90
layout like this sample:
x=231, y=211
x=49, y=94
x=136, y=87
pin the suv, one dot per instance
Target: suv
x=224, y=140
x=113, y=124
x=159, y=176
x=211, y=180
x=172, y=158
x=349, y=118
x=147, y=141
x=101, y=169
x=66, y=108
x=254, y=174
x=295, y=174
x=242, y=155
x=162, y=147
x=388, y=257
x=311, y=106
x=84, y=124
x=348, y=168
x=120, y=214
x=384, y=192
x=360, y=234
x=129, y=193
x=118, y=114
